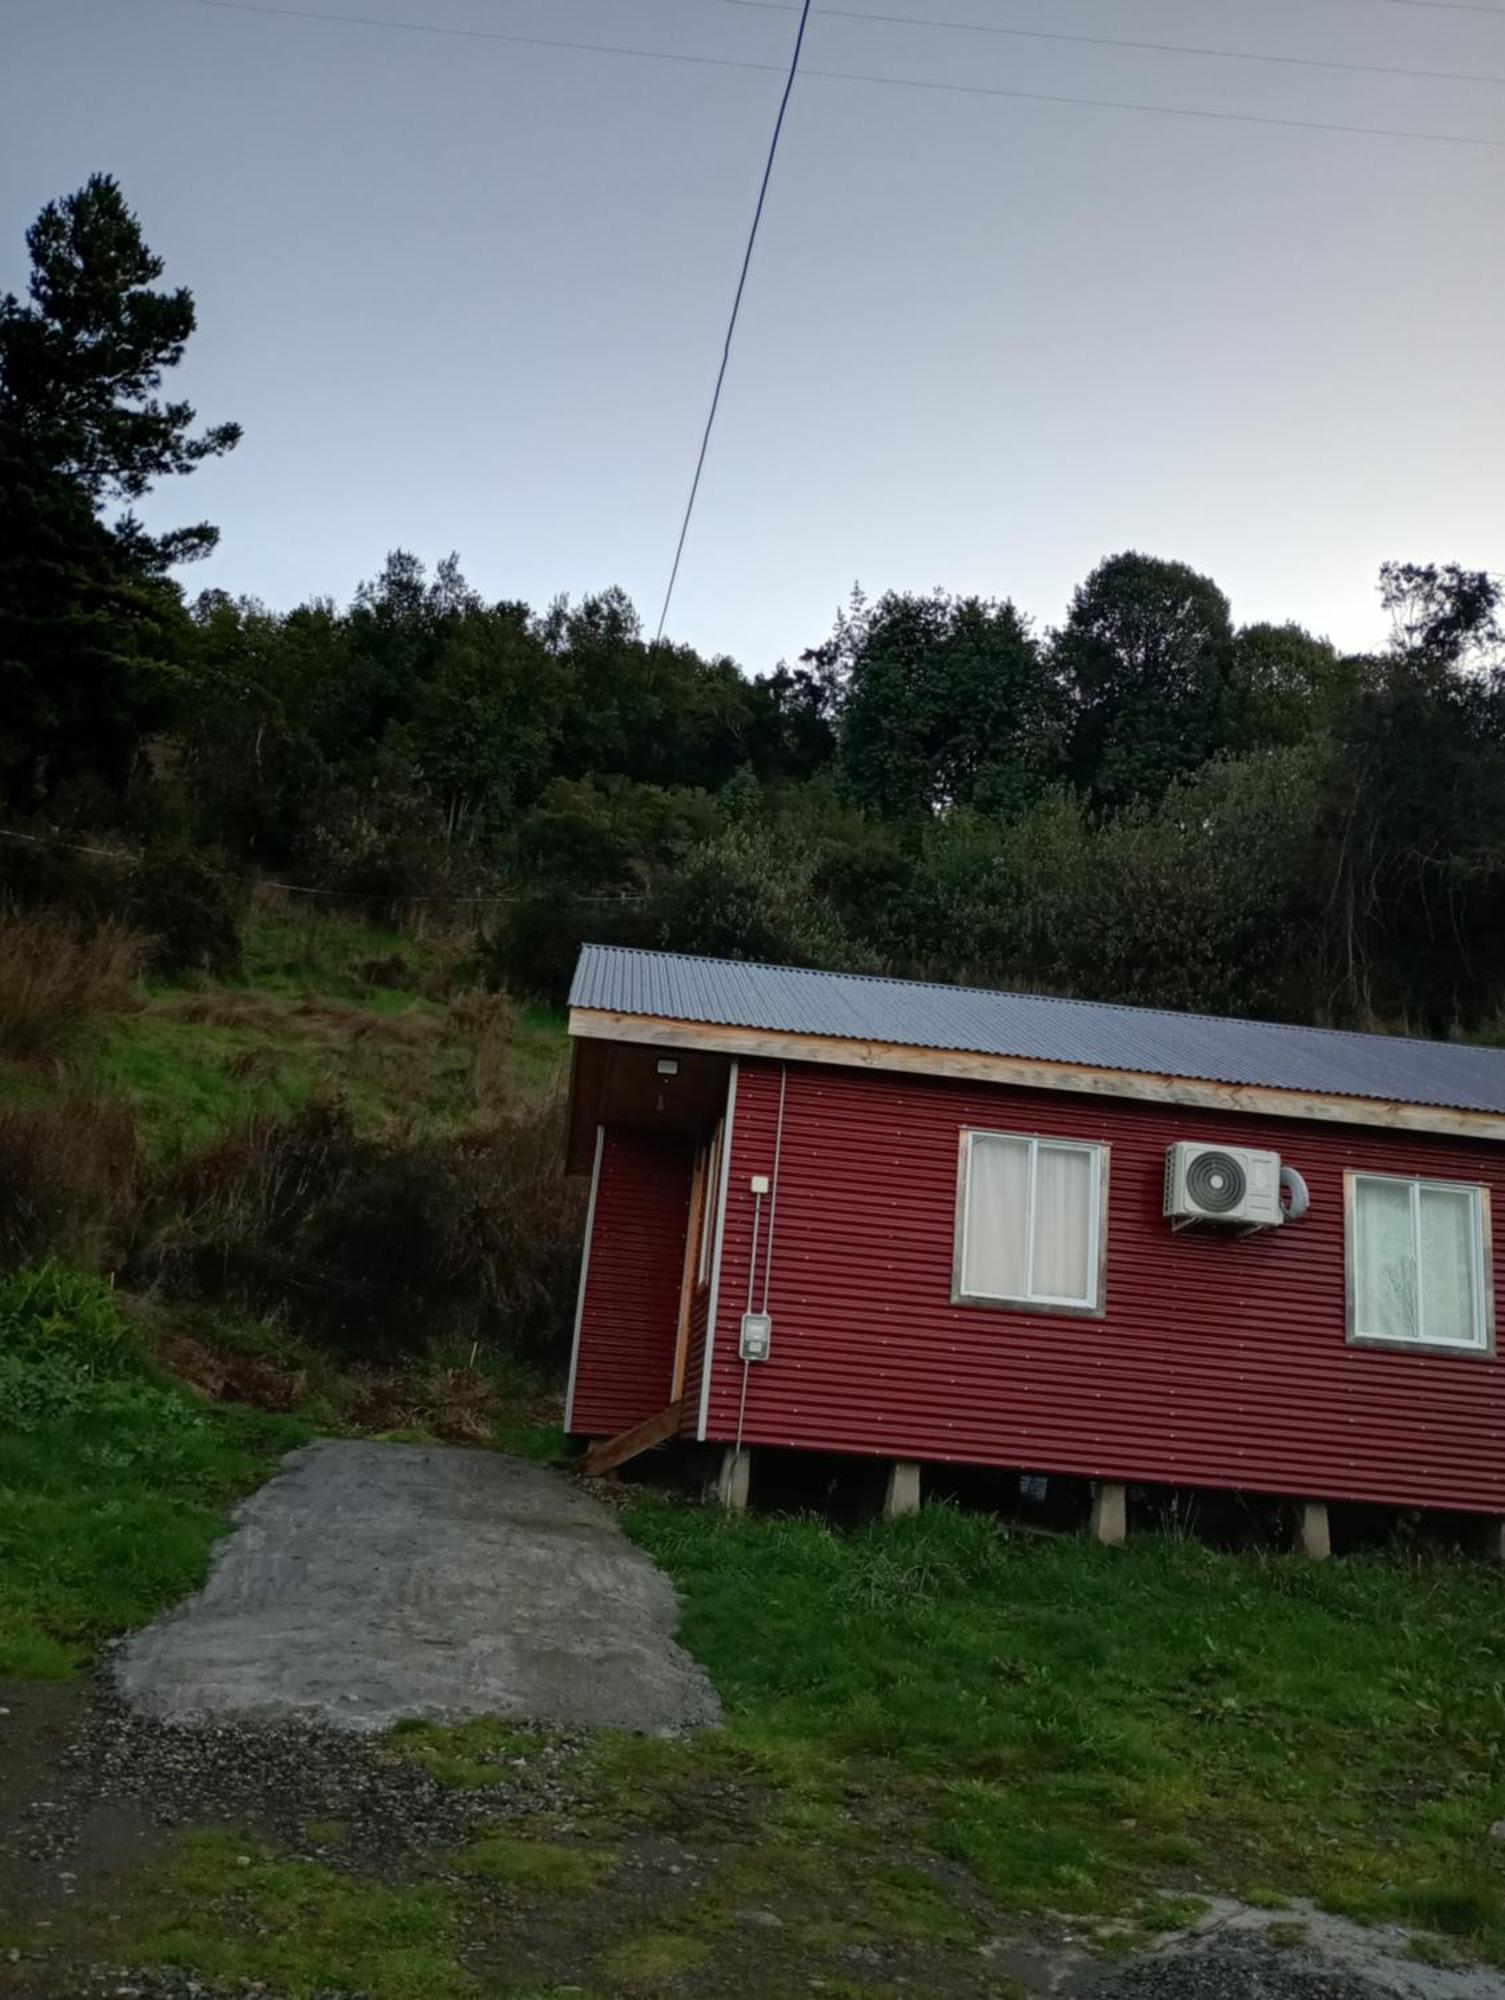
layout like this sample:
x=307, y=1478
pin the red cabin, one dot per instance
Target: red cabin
x=937, y=1225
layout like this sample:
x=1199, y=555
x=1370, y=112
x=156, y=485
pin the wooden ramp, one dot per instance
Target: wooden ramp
x=608, y=1453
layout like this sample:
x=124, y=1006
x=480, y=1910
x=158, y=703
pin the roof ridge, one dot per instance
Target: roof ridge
x=1366, y=1035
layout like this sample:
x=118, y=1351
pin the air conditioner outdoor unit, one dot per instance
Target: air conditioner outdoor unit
x=1226, y=1184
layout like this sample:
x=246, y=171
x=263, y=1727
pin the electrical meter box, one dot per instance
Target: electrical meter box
x=757, y=1336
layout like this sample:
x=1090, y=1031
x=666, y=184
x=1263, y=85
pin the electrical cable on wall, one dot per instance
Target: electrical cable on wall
x=752, y=1268
x=773, y=1198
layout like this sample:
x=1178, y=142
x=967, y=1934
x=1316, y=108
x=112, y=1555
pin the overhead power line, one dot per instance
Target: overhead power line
x=731, y=325
x=1444, y=6
x=479, y=34
x=1121, y=42
x=265, y=7
x=1423, y=7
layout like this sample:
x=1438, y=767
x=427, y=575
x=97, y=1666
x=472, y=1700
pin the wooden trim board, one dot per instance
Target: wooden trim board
x=585, y=1265
x=606, y=1455
x=599, y=1024
x=687, y=1276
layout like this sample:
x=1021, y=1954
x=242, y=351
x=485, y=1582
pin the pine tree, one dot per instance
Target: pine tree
x=91, y=631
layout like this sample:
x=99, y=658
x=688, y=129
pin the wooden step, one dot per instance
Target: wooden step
x=608, y=1453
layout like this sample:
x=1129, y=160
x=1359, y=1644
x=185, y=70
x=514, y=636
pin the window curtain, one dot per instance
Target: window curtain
x=995, y=1264
x=1385, y=1261
x=1417, y=1263
x=1063, y=1224
x=1449, y=1307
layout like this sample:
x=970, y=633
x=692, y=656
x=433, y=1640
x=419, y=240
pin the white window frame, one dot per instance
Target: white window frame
x=1482, y=1346
x=1092, y=1307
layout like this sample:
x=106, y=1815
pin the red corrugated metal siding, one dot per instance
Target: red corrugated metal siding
x=1220, y=1361
x=695, y=1359
x=630, y=1316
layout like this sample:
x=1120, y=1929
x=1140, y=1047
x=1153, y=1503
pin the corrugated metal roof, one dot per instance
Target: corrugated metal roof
x=788, y=1000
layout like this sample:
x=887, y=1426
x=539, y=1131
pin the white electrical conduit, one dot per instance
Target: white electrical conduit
x=773, y=1200
x=752, y=1266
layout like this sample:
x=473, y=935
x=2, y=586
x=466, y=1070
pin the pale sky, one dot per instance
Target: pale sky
x=467, y=293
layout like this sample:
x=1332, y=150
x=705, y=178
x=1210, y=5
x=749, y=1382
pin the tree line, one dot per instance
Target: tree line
x=1147, y=802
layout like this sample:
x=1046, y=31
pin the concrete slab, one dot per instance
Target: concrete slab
x=368, y=1582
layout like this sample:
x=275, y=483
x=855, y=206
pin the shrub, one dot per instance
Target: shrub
x=376, y=1245
x=189, y=912
x=521, y=1229
x=68, y=1179
x=537, y=941
x=488, y=1022
x=69, y=1355
x=55, y=974
x=52, y=1312
x=46, y=870
x=231, y=1216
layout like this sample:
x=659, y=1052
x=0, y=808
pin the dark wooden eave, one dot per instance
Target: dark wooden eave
x=620, y=1083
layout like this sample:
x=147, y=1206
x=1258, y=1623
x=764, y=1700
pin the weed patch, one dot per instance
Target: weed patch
x=69, y=1178
x=379, y=1244
x=56, y=974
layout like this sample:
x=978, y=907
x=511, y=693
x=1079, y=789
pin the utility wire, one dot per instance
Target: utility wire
x=131, y=855
x=854, y=76
x=1444, y=6
x=477, y=34
x=1117, y=42
x=1423, y=6
x=731, y=325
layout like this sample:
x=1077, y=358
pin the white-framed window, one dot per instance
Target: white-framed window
x=1418, y=1263
x=1030, y=1222
x=710, y=1196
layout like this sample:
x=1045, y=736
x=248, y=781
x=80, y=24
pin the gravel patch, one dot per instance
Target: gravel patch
x=94, y=1785
x=1240, y=1969
x=368, y=1582
x=123, y=1781
x=275, y=1778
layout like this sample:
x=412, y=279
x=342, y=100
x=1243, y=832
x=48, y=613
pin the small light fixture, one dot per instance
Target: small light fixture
x=667, y=1066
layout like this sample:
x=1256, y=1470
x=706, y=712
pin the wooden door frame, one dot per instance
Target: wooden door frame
x=693, y=1228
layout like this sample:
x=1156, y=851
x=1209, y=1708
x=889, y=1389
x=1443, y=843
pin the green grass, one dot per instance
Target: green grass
x=482, y=1751
x=653, y=1961
x=1084, y=1729
x=113, y=1482
x=236, y=1912
x=310, y=1015
x=311, y=951
x=182, y=1079
x=540, y=1866
x=540, y=1046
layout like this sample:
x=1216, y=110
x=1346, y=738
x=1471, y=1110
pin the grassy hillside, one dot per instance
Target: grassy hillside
x=387, y=1024
x=323, y=1195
